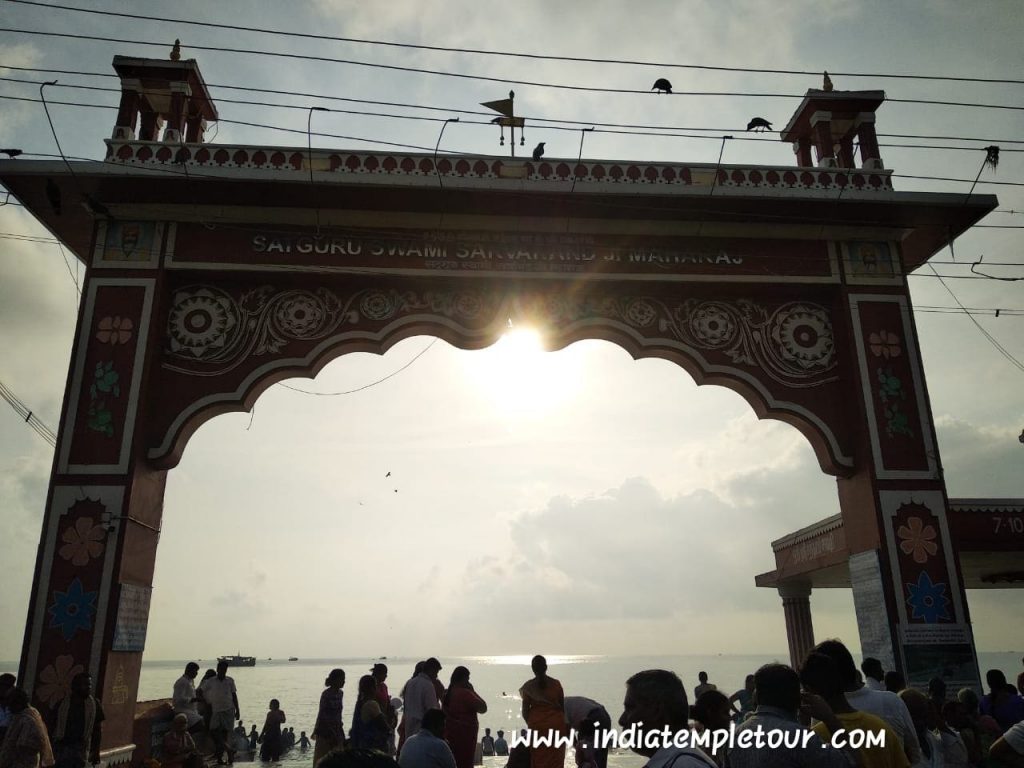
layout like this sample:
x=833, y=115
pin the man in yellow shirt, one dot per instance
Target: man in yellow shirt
x=876, y=742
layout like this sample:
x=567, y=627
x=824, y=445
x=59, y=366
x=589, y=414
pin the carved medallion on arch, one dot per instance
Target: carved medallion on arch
x=211, y=331
x=225, y=344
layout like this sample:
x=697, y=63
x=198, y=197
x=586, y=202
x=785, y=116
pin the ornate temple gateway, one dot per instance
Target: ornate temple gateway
x=215, y=271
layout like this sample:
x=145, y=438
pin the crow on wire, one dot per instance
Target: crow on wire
x=759, y=123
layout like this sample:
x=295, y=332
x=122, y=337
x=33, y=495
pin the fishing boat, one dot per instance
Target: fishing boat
x=293, y=658
x=238, y=660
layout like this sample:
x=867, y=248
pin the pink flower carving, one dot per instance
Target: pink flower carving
x=55, y=680
x=114, y=330
x=916, y=539
x=884, y=344
x=82, y=542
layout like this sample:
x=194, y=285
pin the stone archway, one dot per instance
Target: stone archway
x=214, y=271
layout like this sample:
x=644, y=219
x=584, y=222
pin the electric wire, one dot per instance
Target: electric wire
x=999, y=347
x=424, y=148
x=27, y=415
x=533, y=118
x=391, y=375
x=630, y=130
x=480, y=78
x=74, y=275
x=512, y=54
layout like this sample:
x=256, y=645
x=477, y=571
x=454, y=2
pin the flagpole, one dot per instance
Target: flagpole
x=512, y=111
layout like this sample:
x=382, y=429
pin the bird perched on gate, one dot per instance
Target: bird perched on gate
x=661, y=85
x=758, y=123
x=12, y=153
x=538, y=151
x=827, y=84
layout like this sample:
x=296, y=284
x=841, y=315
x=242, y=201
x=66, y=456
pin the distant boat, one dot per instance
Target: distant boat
x=238, y=661
x=293, y=658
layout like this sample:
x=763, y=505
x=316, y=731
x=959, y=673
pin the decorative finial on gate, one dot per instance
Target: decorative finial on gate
x=507, y=108
x=176, y=51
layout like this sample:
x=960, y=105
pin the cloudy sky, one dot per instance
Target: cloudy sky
x=569, y=502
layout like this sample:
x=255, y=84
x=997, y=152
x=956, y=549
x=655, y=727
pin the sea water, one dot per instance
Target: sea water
x=497, y=679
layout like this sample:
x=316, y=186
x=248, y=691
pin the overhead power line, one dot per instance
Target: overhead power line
x=669, y=132
x=512, y=54
x=449, y=110
x=416, y=357
x=674, y=132
x=430, y=149
x=466, y=76
x=27, y=415
x=992, y=340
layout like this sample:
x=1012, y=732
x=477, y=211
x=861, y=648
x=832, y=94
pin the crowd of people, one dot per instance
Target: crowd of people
x=439, y=726
x=932, y=729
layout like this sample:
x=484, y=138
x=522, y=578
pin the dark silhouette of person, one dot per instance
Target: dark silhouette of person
x=874, y=675
x=78, y=725
x=500, y=745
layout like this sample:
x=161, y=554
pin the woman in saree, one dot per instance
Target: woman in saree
x=26, y=744
x=369, y=725
x=461, y=705
x=329, y=731
x=544, y=713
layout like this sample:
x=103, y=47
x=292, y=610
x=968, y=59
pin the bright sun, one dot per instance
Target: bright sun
x=520, y=377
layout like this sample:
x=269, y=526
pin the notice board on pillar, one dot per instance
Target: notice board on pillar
x=132, y=618
x=869, y=604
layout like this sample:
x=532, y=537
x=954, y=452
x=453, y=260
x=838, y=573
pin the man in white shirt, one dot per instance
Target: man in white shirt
x=421, y=696
x=779, y=703
x=885, y=705
x=1009, y=748
x=590, y=722
x=874, y=675
x=656, y=700
x=427, y=749
x=184, y=696
x=220, y=693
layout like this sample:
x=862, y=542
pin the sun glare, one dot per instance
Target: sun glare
x=523, y=379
